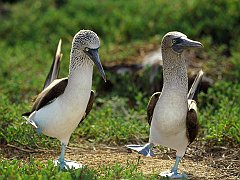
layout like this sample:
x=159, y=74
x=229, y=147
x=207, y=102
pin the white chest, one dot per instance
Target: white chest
x=168, y=126
x=60, y=118
x=170, y=113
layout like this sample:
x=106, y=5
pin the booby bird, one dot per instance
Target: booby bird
x=172, y=114
x=64, y=103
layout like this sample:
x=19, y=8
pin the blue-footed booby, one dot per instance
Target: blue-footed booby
x=64, y=103
x=172, y=113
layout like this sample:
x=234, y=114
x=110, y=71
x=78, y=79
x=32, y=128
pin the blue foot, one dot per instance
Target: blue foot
x=172, y=175
x=67, y=164
x=145, y=150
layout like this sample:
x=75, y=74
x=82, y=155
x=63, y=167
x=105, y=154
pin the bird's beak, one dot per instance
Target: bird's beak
x=186, y=44
x=93, y=54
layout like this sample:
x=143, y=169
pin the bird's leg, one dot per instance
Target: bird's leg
x=173, y=174
x=61, y=157
x=66, y=164
x=175, y=167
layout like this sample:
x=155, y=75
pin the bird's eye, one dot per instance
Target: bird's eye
x=174, y=41
x=86, y=49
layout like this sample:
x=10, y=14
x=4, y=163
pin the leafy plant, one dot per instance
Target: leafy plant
x=220, y=117
x=34, y=169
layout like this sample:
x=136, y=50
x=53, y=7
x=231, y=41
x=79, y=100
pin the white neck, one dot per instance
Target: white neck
x=80, y=76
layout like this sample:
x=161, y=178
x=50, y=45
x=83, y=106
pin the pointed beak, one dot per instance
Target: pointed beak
x=93, y=54
x=188, y=43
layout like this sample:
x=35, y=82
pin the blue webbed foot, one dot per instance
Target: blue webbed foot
x=65, y=164
x=145, y=150
x=173, y=175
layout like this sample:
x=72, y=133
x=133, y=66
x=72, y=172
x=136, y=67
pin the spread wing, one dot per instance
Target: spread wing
x=151, y=105
x=55, y=89
x=90, y=105
x=55, y=67
x=191, y=121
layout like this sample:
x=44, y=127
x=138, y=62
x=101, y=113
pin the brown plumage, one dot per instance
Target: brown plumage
x=151, y=105
x=191, y=121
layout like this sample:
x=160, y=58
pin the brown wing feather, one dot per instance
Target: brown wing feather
x=151, y=105
x=90, y=105
x=191, y=121
x=55, y=89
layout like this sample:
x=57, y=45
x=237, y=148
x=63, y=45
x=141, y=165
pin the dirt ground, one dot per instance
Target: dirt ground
x=199, y=162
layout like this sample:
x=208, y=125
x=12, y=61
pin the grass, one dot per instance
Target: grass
x=116, y=122
x=21, y=170
x=17, y=169
x=220, y=117
x=120, y=113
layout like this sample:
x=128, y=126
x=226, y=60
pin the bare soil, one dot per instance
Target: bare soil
x=199, y=162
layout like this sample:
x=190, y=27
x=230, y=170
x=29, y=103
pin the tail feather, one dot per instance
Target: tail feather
x=195, y=85
x=53, y=73
x=29, y=121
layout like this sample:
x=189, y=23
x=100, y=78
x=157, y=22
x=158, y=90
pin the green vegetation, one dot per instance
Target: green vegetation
x=29, y=34
x=116, y=122
x=220, y=117
x=20, y=170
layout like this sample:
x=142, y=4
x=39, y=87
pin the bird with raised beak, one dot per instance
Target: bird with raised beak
x=64, y=103
x=172, y=113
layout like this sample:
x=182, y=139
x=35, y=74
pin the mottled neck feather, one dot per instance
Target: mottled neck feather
x=80, y=71
x=78, y=59
x=79, y=79
x=174, y=71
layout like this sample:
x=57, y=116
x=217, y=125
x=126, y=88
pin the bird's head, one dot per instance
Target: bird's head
x=88, y=42
x=179, y=42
